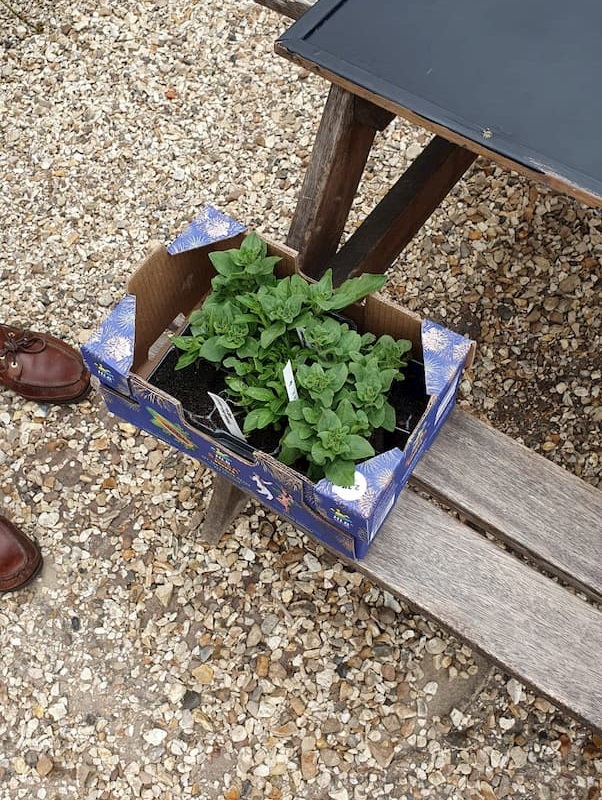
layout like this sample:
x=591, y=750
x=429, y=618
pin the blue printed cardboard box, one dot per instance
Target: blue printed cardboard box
x=127, y=347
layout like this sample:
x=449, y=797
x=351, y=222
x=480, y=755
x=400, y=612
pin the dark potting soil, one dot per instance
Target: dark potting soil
x=409, y=399
x=191, y=385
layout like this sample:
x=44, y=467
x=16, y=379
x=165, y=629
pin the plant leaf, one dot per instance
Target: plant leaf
x=258, y=418
x=186, y=359
x=359, y=448
x=272, y=333
x=261, y=394
x=341, y=472
x=212, y=350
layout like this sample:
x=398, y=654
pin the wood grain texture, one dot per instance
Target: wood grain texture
x=337, y=162
x=226, y=503
x=289, y=8
x=402, y=212
x=523, y=498
x=528, y=624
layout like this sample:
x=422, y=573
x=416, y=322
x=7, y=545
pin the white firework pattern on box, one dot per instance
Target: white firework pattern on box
x=209, y=226
x=444, y=354
x=367, y=502
x=117, y=348
x=153, y=396
x=385, y=477
x=112, y=343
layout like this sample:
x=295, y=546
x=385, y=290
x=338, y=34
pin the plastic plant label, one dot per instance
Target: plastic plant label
x=228, y=418
x=289, y=382
x=302, y=339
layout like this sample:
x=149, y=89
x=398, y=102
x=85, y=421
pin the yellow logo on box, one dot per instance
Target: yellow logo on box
x=171, y=428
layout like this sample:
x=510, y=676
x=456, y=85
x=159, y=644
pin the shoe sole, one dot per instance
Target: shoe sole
x=56, y=401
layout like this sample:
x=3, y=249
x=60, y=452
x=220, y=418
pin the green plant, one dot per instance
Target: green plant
x=253, y=323
x=332, y=441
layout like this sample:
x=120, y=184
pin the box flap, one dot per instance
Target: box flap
x=208, y=227
x=444, y=354
x=109, y=352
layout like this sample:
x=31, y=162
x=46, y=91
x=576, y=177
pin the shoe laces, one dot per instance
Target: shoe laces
x=24, y=343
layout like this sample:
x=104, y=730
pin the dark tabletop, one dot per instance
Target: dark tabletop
x=520, y=77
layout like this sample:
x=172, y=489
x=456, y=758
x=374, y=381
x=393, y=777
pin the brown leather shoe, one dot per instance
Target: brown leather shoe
x=40, y=367
x=20, y=557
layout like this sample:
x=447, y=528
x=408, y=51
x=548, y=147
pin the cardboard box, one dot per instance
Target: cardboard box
x=167, y=286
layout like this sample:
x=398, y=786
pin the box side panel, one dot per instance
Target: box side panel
x=166, y=286
x=272, y=484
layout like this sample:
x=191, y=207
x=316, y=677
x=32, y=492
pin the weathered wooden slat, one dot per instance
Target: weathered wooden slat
x=402, y=212
x=289, y=8
x=337, y=162
x=526, y=623
x=535, y=506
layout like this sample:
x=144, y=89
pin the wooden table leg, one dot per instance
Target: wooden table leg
x=227, y=502
x=340, y=152
x=402, y=212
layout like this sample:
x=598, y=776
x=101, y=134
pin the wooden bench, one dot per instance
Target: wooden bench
x=494, y=542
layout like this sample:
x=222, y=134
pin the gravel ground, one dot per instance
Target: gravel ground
x=142, y=663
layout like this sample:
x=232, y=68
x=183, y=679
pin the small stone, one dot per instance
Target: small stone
x=48, y=519
x=298, y=706
x=312, y=563
x=309, y=765
x=58, y=710
x=569, y=284
x=457, y=717
x=519, y=756
x=254, y=636
x=330, y=757
x=263, y=666
x=238, y=733
x=435, y=646
x=105, y=299
x=191, y=699
x=176, y=692
x=44, y=766
x=515, y=690
x=486, y=791
x=164, y=593
x=543, y=705
x=155, y=736
x=203, y=674
x=382, y=752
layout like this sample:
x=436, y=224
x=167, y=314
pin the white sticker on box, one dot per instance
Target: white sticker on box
x=227, y=416
x=289, y=382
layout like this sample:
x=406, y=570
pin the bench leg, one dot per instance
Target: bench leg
x=339, y=155
x=402, y=212
x=227, y=502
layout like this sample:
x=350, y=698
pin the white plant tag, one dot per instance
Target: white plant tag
x=301, y=336
x=227, y=416
x=289, y=382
